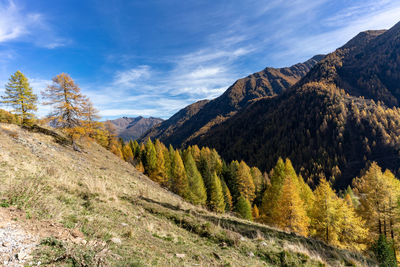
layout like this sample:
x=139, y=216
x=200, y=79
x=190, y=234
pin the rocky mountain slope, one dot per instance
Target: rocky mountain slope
x=133, y=128
x=112, y=215
x=341, y=115
x=196, y=119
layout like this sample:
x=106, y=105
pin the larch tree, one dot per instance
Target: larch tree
x=244, y=182
x=325, y=217
x=258, y=180
x=216, y=200
x=243, y=208
x=150, y=162
x=271, y=194
x=160, y=172
x=255, y=212
x=67, y=103
x=20, y=96
x=378, y=194
x=90, y=119
x=227, y=196
x=179, y=183
x=127, y=153
x=198, y=193
x=290, y=213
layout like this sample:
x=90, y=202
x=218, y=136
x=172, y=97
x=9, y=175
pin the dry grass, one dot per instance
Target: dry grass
x=107, y=200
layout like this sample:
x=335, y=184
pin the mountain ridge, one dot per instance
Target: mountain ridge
x=208, y=113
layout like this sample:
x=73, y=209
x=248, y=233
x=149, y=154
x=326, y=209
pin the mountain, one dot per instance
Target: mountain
x=61, y=207
x=343, y=114
x=132, y=128
x=198, y=118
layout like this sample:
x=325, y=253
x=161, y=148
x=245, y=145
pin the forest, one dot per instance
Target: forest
x=364, y=217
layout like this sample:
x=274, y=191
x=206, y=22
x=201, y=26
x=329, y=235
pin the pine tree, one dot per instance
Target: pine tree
x=20, y=96
x=179, y=183
x=290, y=212
x=243, y=208
x=198, y=193
x=216, y=200
x=384, y=252
x=67, y=101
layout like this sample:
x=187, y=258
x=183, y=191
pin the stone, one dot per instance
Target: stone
x=181, y=256
x=116, y=240
x=251, y=254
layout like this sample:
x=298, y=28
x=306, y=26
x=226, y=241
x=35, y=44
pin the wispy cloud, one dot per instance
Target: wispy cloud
x=130, y=76
x=18, y=24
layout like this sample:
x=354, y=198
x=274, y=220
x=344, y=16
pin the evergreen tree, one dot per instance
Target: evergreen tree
x=384, y=252
x=20, y=96
x=90, y=117
x=216, y=200
x=290, y=212
x=179, y=183
x=198, y=193
x=243, y=208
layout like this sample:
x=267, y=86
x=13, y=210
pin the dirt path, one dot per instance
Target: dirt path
x=19, y=236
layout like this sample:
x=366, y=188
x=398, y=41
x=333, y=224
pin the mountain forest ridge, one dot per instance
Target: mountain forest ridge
x=332, y=118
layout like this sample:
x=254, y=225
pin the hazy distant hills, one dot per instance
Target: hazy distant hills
x=196, y=119
x=132, y=128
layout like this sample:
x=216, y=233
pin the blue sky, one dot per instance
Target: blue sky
x=154, y=57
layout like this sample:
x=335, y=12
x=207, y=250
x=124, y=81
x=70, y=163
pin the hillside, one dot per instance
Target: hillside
x=91, y=208
x=133, y=128
x=199, y=117
x=340, y=116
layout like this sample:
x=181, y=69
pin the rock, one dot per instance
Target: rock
x=124, y=224
x=263, y=243
x=218, y=257
x=242, y=238
x=251, y=254
x=181, y=256
x=20, y=256
x=116, y=240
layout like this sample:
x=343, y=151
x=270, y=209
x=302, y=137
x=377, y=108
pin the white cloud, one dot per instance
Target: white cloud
x=128, y=77
x=17, y=24
x=13, y=23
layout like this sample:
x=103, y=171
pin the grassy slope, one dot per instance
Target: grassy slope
x=106, y=198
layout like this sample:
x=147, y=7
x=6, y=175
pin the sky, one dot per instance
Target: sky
x=154, y=57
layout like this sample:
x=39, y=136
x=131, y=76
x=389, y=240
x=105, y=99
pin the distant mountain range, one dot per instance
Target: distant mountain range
x=331, y=115
x=196, y=119
x=132, y=128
